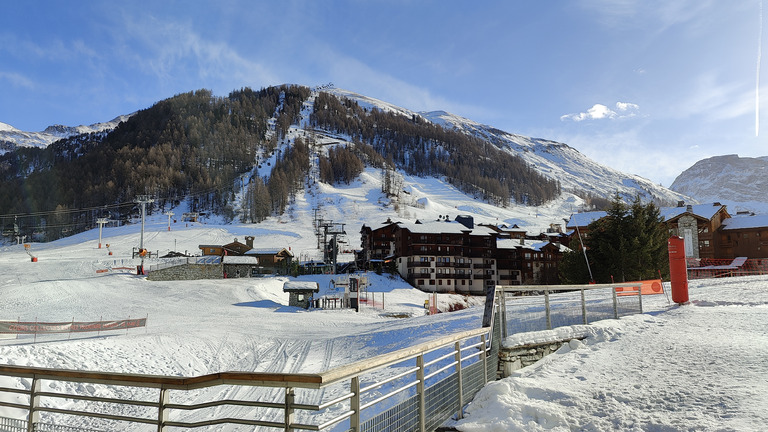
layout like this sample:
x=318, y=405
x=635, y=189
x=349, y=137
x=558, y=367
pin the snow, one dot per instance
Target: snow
x=698, y=367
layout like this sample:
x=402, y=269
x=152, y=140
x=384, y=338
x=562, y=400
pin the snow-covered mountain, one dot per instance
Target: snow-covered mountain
x=575, y=172
x=11, y=138
x=739, y=182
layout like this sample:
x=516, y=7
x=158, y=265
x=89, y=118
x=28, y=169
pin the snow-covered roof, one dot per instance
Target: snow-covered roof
x=435, y=227
x=584, y=219
x=745, y=222
x=707, y=211
x=267, y=251
x=301, y=286
x=236, y=259
x=535, y=245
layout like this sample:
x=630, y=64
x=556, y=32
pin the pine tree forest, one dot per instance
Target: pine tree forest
x=201, y=147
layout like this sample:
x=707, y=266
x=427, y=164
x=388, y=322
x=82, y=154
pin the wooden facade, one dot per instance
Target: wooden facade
x=452, y=257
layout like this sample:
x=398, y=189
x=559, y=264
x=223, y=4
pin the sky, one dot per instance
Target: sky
x=646, y=87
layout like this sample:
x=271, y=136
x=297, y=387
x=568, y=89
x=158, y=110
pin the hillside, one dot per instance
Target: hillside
x=252, y=155
x=739, y=182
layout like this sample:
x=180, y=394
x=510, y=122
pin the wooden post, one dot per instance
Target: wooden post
x=34, y=402
x=162, y=413
x=290, y=396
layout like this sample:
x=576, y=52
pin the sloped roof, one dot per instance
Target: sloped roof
x=240, y=259
x=745, y=222
x=535, y=245
x=449, y=227
x=268, y=251
x=706, y=211
x=584, y=219
x=302, y=286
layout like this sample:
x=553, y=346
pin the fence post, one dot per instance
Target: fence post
x=354, y=404
x=162, y=412
x=420, y=391
x=615, y=303
x=640, y=297
x=503, y=304
x=546, y=307
x=290, y=395
x=34, y=402
x=457, y=357
x=484, y=357
x=583, y=308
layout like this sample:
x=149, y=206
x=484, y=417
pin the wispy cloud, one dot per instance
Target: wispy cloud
x=599, y=111
x=171, y=50
x=17, y=80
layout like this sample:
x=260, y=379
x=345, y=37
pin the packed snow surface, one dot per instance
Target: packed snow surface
x=695, y=367
x=700, y=366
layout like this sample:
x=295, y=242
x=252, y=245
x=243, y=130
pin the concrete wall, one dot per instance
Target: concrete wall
x=518, y=357
x=187, y=272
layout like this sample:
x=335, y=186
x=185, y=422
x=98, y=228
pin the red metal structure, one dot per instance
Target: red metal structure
x=678, y=273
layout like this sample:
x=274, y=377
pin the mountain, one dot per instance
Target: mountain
x=575, y=172
x=255, y=155
x=739, y=182
x=12, y=138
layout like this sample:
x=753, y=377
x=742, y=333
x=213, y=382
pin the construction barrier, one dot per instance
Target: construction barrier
x=648, y=287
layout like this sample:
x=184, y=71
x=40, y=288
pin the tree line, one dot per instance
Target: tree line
x=193, y=144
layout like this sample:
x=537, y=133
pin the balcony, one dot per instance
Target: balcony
x=419, y=264
x=483, y=266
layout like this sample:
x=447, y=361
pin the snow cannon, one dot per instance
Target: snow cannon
x=678, y=271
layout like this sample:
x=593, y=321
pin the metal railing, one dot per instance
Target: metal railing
x=562, y=305
x=415, y=388
x=175, y=262
x=412, y=389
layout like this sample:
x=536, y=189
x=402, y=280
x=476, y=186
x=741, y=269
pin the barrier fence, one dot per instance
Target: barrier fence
x=528, y=308
x=704, y=268
x=412, y=389
x=22, y=327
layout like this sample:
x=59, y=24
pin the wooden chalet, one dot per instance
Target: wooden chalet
x=456, y=256
x=743, y=236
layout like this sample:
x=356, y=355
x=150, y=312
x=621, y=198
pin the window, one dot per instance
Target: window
x=431, y=281
x=439, y=281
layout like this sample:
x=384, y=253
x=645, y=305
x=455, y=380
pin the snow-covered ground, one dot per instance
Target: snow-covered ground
x=697, y=367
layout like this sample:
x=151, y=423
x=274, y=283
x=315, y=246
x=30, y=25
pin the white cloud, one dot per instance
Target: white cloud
x=600, y=111
x=16, y=79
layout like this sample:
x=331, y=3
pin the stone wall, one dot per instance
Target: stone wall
x=187, y=272
x=518, y=357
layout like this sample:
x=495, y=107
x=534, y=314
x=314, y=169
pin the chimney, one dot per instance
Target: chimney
x=249, y=241
x=680, y=203
x=466, y=220
x=689, y=208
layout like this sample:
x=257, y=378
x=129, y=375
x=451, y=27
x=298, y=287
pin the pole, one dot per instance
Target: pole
x=143, y=200
x=584, y=249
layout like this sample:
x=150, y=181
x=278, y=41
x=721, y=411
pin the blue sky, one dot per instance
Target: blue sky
x=645, y=86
